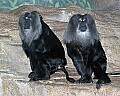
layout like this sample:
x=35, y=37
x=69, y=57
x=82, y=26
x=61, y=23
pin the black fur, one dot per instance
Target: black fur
x=85, y=50
x=41, y=46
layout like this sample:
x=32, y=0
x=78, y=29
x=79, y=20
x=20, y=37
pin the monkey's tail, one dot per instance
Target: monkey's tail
x=67, y=75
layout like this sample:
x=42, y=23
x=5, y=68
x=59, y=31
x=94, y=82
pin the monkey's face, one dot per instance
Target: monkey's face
x=80, y=28
x=30, y=26
x=27, y=19
x=30, y=20
x=82, y=24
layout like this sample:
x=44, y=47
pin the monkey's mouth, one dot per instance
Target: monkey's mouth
x=27, y=24
x=83, y=28
x=27, y=21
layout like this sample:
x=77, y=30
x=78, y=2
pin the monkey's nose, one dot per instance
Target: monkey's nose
x=83, y=28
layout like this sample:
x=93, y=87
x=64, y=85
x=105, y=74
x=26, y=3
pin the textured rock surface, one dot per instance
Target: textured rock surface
x=14, y=65
x=106, y=4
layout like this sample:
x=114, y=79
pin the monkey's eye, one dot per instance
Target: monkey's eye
x=27, y=18
x=84, y=20
x=80, y=19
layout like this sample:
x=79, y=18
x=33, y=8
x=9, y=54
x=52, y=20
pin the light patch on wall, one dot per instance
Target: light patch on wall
x=64, y=17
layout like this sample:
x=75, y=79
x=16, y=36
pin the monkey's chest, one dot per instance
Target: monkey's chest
x=83, y=39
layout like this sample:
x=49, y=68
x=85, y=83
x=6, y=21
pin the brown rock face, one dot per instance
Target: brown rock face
x=106, y=5
x=14, y=65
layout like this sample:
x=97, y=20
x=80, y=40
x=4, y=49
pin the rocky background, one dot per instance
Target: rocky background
x=109, y=5
x=14, y=65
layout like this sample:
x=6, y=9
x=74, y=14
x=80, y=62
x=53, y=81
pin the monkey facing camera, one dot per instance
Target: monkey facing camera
x=85, y=49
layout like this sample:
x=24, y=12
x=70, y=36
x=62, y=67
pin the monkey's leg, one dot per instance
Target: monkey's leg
x=81, y=69
x=40, y=72
x=78, y=62
x=102, y=76
x=33, y=63
x=88, y=67
x=99, y=57
x=34, y=67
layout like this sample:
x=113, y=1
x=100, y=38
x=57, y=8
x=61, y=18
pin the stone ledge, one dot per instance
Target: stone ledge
x=16, y=85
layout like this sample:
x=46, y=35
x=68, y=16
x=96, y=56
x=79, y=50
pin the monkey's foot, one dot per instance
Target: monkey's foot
x=100, y=82
x=35, y=77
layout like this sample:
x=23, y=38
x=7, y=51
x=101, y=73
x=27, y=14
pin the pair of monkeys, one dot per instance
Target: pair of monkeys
x=46, y=53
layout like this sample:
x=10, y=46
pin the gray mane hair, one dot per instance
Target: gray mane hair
x=71, y=35
x=29, y=35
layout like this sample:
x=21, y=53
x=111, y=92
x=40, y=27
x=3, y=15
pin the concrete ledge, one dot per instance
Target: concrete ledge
x=13, y=85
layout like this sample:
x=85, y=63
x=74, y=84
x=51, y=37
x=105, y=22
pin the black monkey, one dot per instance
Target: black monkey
x=42, y=47
x=85, y=50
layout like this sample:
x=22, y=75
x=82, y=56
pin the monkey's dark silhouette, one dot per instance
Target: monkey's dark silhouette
x=85, y=49
x=42, y=47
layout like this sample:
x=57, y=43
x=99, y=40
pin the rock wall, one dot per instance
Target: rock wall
x=57, y=18
x=14, y=65
x=106, y=4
